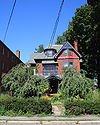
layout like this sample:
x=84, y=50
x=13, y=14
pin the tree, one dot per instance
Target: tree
x=20, y=82
x=75, y=83
x=85, y=27
x=92, y=2
x=40, y=49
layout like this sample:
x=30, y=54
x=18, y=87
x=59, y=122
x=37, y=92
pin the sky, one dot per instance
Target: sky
x=33, y=21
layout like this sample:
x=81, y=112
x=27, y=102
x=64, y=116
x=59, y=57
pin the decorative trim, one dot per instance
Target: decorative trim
x=66, y=58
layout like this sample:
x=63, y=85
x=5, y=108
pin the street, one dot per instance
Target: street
x=47, y=124
x=50, y=123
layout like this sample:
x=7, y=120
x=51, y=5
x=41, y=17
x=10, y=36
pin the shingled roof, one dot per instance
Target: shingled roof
x=58, y=48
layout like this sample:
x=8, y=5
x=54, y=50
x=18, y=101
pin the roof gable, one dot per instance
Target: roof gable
x=67, y=45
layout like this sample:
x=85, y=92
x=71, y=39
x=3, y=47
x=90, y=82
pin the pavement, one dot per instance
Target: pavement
x=50, y=120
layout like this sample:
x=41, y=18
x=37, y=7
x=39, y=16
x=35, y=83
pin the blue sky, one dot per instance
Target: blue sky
x=33, y=21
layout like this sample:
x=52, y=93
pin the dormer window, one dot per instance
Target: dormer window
x=49, y=52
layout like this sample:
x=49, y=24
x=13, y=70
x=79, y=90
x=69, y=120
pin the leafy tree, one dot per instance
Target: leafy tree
x=35, y=86
x=85, y=27
x=40, y=49
x=92, y=2
x=75, y=83
x=20, y=82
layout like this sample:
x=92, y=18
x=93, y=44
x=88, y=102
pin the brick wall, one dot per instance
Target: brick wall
x=7, y=59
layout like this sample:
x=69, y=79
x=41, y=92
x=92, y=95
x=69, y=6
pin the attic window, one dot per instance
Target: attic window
x=68, y=52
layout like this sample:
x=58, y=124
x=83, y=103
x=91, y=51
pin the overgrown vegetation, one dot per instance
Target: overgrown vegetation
x=20, y=82
x=21, y=106
x=75, y=83
x=78, y=106
x=78, y=94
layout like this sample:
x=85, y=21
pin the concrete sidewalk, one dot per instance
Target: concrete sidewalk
x=52, y=118
x=50, y=122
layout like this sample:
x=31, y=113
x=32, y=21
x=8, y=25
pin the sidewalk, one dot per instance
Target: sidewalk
x=50, y=120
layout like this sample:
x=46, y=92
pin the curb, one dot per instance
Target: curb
x=52, y=122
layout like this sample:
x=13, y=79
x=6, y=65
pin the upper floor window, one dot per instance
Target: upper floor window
x=68, y=52
x=65, y=64
x=49, y=52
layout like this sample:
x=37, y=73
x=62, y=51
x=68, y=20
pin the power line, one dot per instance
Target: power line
x=56, y=24
x=9, y=20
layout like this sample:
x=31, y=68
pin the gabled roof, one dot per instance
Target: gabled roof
x=67, y=45
x=58, y=48
x=36, y=56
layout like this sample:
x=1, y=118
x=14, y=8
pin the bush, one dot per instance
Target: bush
x=78, y=107
x=20, y=82
x=75, y=83
x=32, y=105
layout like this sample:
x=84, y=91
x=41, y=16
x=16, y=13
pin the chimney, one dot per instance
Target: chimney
x=76, y=45
x=18, y=53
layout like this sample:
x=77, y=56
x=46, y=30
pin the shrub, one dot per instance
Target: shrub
x=75, y=83
x=20, y=82
x=78, y=107
x=32, y=105
x=94, y=96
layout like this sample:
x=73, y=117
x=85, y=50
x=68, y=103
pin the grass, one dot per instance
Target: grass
x=51, y=120
x=98, y=115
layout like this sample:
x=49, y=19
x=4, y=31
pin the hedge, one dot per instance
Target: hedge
x=78, y=107
x=33, y=105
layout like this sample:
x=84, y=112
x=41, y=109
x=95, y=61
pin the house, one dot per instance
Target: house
x=8, y=59
x=53, y=59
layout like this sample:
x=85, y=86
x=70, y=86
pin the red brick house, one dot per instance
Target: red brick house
x=7, y=58
x=53, y=59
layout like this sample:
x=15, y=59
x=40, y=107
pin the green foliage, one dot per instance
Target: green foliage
x=35, y=86
x=23, y=106
x=21, y=82
x=75, y=83
x=56, y=98
x=85, y=27
x=78, y=107
x=40, y=49
x=92, y=2
x=94, y=95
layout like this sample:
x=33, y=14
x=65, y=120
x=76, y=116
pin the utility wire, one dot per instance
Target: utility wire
x=9, y=21
x=56, y=24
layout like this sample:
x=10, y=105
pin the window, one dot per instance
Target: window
x=12, y=58
x=3, y=66
x=48, y=73
x=50, y=69
x=67, y=52
x=65, y=64
x=49, y=52
x=3, y=50
x=8, y=54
